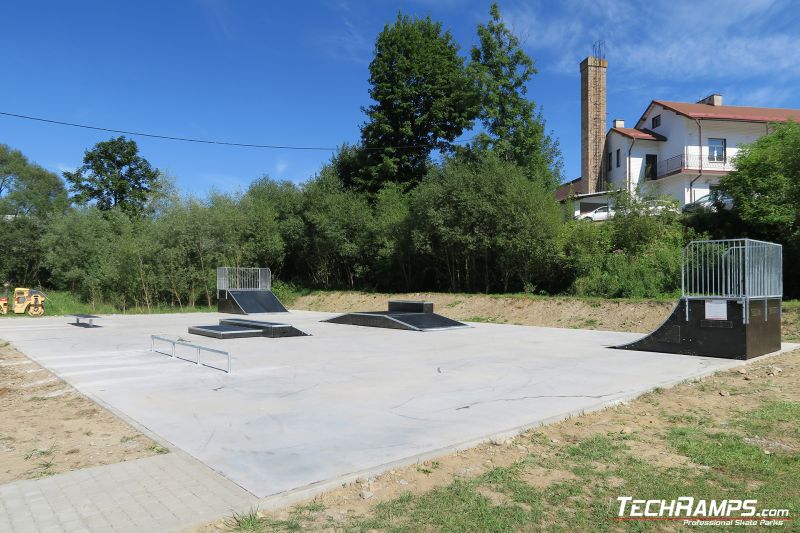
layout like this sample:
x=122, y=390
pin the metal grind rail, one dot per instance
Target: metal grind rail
x=196, y=360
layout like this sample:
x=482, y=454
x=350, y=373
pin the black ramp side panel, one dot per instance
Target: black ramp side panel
x=257, y=302
x=410, y=306
x=698, y=336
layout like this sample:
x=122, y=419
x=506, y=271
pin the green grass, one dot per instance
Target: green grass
x=157, y=448
x=721, y=464
x=485, y=319
x=773, y=419
x=64, y=303
x=41, y=452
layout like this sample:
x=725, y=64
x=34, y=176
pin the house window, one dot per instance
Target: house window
x=608, y=159
x=716, y=150
x=617, y=157
x=656, y=122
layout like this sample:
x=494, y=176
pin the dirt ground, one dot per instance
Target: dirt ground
x=609, y=315
x=47, y=427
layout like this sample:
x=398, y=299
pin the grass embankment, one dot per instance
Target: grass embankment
x=65, y=303
x=530, y=310
x=734, y=435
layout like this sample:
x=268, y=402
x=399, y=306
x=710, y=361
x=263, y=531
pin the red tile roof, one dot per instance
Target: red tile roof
x=633, y=133
x=731, y=112
x=564, y=190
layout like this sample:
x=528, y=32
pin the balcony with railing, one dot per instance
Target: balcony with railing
x=683, y=162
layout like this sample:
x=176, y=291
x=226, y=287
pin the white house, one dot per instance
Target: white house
x=681, y=149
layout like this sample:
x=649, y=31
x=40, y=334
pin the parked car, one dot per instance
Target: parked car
x=710, y=202
x=601, y=213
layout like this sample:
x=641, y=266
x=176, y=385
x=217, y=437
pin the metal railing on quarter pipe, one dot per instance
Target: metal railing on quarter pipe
x=730, y=306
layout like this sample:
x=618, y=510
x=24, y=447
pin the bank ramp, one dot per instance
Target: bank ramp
x=402, y=314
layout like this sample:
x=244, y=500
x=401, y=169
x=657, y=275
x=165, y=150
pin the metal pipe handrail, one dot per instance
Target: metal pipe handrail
x=197, y=361
x=244, y=279
x=732, y=269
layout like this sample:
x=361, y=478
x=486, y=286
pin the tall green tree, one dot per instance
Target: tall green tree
x=765, y=186
x=482, y=225
x=113, y=174
x=29, y=196
x=26, y=188
x=424, y=99
x=514, y=129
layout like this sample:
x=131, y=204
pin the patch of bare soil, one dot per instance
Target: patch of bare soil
x=558, y=312
x=47, y=427
x=551, y=312
x=641, y=424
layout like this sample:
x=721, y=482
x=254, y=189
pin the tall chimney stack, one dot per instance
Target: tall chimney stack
x=593, y=120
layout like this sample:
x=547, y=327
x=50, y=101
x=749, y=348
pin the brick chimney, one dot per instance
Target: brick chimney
x=712, y=99
x=593, y=121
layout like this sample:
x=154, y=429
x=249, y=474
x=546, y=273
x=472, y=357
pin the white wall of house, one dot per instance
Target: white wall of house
x=618, y=177
x=735, y=134
x=673, y=127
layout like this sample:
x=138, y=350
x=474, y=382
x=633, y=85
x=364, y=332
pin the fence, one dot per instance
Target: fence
x=692, y=162
x=741, y=269
x=196, y=360
x=244, y=279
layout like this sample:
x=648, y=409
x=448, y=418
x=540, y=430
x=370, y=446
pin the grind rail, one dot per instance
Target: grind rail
x=196, y=360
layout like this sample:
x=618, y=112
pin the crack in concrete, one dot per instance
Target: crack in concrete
x=536, y=397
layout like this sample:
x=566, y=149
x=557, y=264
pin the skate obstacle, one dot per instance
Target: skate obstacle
x=730, y=306
x=401, y=314
x=236, y=328
x=243, y=291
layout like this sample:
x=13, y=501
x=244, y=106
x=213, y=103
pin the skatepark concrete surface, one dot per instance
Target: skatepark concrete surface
x=302, y=414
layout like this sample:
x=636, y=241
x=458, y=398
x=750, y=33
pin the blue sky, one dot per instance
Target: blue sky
x=296, y=73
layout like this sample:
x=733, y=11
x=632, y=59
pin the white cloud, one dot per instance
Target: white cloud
x=346, y=41
x=665, y=40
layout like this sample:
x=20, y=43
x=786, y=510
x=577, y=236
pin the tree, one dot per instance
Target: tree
x=113, y=174
x=765, y=187
x=424, y=99
x=29, y=196
x=514, y=130
x=482, y=225
x=26, y=188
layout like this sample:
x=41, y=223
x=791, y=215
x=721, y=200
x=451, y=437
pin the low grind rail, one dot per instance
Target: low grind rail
x=197, y=361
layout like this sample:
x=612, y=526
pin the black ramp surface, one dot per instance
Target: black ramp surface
x=257, y=302
x=731, y=338
x=428, y=321
x=406, y=321
x=268, y=329
x=225, y=332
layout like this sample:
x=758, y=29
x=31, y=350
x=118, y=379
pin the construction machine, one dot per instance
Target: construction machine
x=28, y=301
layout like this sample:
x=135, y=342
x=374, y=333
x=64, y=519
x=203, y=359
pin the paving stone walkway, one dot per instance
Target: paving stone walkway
x=162, y=493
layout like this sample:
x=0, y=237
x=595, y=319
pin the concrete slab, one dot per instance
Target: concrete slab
x=299, y=411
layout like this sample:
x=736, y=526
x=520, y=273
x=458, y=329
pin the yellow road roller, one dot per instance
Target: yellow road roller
x=28, y=301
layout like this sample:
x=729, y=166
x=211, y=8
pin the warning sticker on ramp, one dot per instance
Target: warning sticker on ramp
x=716, y=310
